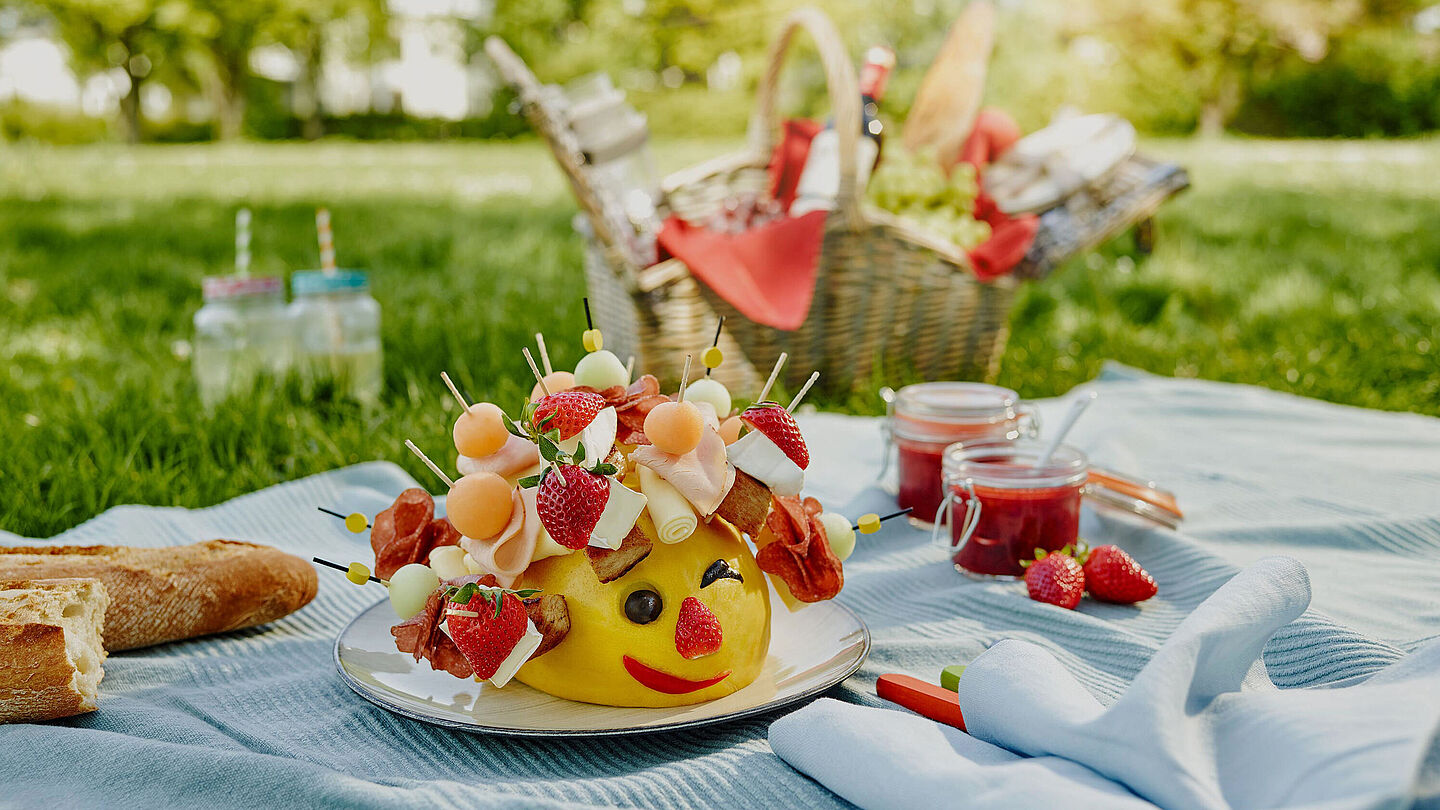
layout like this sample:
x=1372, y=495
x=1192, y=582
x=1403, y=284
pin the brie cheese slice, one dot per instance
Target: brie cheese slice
x=622, y=509
x=524, y=648
x=755, y=454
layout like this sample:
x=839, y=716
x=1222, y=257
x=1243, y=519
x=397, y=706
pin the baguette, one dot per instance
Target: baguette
x=50, y=649
x=167, y=594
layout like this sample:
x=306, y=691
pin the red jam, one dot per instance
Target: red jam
x=1022, y=508
x=929, y=417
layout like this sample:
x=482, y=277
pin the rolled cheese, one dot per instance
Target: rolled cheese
x=674, y=517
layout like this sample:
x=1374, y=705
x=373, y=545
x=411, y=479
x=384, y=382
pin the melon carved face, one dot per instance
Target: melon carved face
x=690, y=623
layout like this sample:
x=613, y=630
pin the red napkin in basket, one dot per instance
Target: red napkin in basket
x=1010, y=237
x=768, y=272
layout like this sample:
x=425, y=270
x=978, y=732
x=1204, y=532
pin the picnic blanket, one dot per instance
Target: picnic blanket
x=260, y=717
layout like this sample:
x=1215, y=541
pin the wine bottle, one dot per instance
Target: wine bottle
x=820, y=180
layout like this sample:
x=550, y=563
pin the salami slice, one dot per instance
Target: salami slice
x=800, y=552
x=401, y=532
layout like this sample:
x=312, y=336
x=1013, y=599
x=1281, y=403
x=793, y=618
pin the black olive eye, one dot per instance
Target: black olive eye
x=719, y=570
x=643, y=607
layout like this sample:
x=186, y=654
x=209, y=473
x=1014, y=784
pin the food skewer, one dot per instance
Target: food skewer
x=534, y=369
x=353, y=571
x=464, y=406
x=544, y=355
x=713, y=357
x=352, y=520
x=684, y=380
x=593, y=340
x=805, y=389
x=870, y=523
x=428, y=463
x=630, y=367
x=774, y=373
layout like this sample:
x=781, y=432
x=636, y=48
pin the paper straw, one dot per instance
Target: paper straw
x=242, y=242
x=327, y=240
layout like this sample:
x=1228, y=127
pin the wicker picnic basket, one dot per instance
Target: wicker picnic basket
x=887, y=294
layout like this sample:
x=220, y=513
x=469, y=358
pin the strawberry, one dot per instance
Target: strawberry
x=486, y=639
x=1055, y=578
x=568, y=412
x=779, y=427
x=697, y=631
x=1111, y=575
x=570, y=504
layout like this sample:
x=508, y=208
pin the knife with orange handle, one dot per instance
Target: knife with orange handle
x=925, y=699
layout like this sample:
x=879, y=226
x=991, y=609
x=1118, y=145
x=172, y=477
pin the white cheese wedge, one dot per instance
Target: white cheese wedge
x=622, y=509
x=545, y=546
x=598, y=438
x=524, y=648
x=755, y=454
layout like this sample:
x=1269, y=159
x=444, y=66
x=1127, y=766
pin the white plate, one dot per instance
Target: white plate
x=810, y=651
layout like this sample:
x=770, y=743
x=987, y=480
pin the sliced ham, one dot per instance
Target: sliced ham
x=508, y=554
x=517, y=458
x=703, y=475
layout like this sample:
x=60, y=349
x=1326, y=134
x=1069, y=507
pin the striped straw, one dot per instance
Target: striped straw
x=327, y=240
x=242, y=242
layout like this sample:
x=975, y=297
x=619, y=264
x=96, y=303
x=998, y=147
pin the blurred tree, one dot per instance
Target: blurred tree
x=311, y=29
x=107, y=34
x=1221, y=45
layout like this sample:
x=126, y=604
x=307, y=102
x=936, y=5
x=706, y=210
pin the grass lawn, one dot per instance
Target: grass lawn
x=1307, y=267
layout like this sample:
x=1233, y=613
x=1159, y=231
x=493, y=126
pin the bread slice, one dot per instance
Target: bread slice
x=167, y=594
x=746, y=505
x=50, y=648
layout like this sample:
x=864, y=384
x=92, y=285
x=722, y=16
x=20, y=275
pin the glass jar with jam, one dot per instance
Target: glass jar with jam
x=1004, y=505
x=926, y=418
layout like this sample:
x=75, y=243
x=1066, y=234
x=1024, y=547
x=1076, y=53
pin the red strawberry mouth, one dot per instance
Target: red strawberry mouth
x=664, y=682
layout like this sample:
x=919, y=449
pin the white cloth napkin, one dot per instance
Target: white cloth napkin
x=1202, y=726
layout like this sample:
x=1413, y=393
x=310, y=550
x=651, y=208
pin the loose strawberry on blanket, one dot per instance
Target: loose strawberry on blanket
x=779, y=427
x=1055, y=578
x=1111, y=575
x=570, y=503
x=568, y=412
x=697, y=631
x=489, y=636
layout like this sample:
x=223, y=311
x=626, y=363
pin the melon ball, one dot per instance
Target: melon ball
x=839, y=532
x=480, y=430
x=712, y=391
x=479, y=505
x=601, y=370
x=410, y=589
x=674, y=427
x=556, y=381
x=730, y=429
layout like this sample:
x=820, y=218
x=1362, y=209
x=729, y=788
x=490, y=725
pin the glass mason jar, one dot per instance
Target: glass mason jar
x=242, y=331
x=1002, y=506
x=926, y=418
x=337, y=331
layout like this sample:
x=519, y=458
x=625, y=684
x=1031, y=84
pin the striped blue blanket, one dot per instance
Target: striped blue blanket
x=260, y=717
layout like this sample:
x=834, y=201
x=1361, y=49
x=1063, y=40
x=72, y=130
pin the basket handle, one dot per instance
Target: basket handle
x=844, y=92
x=517, y=74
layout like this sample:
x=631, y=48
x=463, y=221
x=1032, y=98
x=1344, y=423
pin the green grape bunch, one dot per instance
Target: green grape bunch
x=912, y=185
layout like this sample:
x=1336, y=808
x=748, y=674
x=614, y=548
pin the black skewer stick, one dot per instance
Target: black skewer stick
x=345, y=568
x=589, y=324
x=907, y=510
x=716, y=341
x=337, y=514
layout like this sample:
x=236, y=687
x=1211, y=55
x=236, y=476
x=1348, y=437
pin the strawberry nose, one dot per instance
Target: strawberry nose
x=697, y=631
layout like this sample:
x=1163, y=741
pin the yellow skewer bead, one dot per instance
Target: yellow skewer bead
x=713, y=357
x=869, y=523
x=357, y=523
x=358, y=573
x=592, y=340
